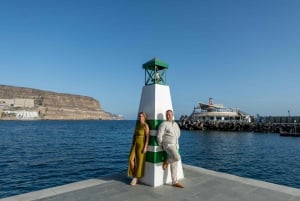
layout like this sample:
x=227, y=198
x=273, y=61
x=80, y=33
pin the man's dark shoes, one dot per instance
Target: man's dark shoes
x=178, y=185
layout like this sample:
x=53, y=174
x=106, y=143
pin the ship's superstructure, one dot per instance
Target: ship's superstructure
x=217, y=112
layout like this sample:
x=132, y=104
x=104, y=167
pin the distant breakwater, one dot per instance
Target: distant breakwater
x=260, y=127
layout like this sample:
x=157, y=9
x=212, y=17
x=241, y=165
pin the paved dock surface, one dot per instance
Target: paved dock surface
x=200, y=185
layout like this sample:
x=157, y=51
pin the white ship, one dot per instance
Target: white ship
x=218, y=112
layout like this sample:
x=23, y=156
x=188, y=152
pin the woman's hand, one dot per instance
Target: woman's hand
x=144, y=150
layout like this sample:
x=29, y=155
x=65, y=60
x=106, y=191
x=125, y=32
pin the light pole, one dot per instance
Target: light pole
x=295, y=126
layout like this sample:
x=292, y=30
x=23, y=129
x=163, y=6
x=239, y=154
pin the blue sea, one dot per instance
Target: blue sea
x=35, y=155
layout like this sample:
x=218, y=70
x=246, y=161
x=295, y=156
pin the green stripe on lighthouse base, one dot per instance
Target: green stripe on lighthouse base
x=154, y=124
x=155, y=157
x=153, y=141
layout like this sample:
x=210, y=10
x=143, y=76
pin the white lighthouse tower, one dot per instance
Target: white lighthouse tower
x=155, y=101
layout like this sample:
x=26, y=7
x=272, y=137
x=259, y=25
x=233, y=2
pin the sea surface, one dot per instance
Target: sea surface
x=35, y=155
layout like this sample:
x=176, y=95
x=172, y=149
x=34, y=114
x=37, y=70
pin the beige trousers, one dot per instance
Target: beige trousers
x=172, y=158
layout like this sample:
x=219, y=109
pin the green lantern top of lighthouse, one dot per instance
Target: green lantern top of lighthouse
x=155, y=72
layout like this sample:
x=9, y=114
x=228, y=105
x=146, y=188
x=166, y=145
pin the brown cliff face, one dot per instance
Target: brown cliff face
x=51, y=105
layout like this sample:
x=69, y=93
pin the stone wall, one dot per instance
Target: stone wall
x=52, y=105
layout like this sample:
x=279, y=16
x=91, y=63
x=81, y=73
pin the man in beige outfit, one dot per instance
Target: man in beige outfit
x=167, y=137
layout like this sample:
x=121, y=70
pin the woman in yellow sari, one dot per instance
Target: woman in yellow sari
x=137, y=156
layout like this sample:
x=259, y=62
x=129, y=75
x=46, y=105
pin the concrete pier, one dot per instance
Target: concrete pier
x=200, y=185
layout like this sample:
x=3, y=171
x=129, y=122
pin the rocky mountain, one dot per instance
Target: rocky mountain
x=28, y=103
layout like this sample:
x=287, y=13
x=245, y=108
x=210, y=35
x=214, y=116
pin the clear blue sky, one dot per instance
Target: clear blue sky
x=245, y=54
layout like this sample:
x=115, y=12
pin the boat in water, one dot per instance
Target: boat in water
x=204, y=112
